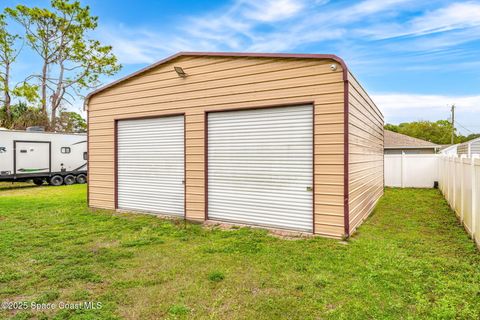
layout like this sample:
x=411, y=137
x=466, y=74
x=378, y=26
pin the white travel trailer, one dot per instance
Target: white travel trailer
x=55, y=158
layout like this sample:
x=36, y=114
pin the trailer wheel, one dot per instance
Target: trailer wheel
x=69, y=180
x=38, y=181
x=56, y=181
x=81, y=179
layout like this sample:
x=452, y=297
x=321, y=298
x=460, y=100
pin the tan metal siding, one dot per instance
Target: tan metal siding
x=222, y=83
x=365, y=154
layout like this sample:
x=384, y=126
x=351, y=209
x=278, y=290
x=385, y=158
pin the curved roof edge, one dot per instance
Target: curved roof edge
x=475, y=140
x=221, y=54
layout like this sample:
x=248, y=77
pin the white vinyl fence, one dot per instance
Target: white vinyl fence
x=411, y=170
x=460, y=184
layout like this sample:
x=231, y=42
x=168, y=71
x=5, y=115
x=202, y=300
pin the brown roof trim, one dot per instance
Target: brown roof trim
x=220, y=54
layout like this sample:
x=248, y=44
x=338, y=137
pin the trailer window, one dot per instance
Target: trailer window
x=85, y=156
x=65, y=150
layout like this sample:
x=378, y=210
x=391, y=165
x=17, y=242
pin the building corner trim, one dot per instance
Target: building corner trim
x=346, y=189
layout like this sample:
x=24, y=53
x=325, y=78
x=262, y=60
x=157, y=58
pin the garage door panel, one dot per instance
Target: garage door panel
x=253, y=137
x=280, y=189
x=253, y=142
x=151, y=165
x=260, y=167
x=262, y=219
x=262, y=200
x=226, y=117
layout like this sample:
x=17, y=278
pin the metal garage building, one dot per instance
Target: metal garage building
x=289, y=141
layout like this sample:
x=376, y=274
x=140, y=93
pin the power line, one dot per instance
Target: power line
x=456, y=122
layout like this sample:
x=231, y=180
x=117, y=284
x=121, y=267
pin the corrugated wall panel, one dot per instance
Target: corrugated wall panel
x=365, y=154
x=240, y=76
x=260, y=166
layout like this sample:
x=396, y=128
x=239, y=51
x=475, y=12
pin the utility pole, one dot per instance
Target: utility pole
x=453, y=123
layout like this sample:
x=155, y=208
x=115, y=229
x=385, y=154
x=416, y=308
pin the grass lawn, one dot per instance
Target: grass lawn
x=410, y=260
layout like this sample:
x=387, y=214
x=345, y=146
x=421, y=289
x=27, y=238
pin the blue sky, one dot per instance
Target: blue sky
x=414, y=57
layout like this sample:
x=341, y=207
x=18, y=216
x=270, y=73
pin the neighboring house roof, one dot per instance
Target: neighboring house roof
x=394, y=140
x=472, y=141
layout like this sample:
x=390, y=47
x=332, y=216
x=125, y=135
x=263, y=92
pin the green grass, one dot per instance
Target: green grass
x=410, y=260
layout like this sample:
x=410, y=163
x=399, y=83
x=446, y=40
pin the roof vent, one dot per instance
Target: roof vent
x=35, y=129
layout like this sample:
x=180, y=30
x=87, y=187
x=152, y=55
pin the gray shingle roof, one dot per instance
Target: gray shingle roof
x=394, y=140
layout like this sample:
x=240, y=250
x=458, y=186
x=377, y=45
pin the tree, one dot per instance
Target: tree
x=59, y=36
x=9, y=51
x=437, y=132
x=71, y=122
x=470, y=137
x=80, y=61
x=391, y=127
x=41, y=34
x=8, y=54
x=23, y=116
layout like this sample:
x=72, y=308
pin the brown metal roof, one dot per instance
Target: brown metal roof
x=395, y=140
x=222, y=54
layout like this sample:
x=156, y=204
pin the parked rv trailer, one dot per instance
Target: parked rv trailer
x=55, y=158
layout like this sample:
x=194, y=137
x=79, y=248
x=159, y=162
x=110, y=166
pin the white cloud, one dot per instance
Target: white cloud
x=455, y=16
x=246, y=25
x=401, y=101
x=238, y=27
x=271, y=10
x=369, y=7
x=131, y=46
x=142, y=46
x=405, y=107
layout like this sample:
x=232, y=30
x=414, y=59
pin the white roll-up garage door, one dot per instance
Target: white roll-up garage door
x=260, y=167
x=150, y=164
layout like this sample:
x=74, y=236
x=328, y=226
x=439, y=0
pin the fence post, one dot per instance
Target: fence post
x=443, y=173
x=462, y=188
x=474, y=198
x=449, y=165
x=454, y=189
x=440, y=173
x=445, y=180
x=452, y=180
